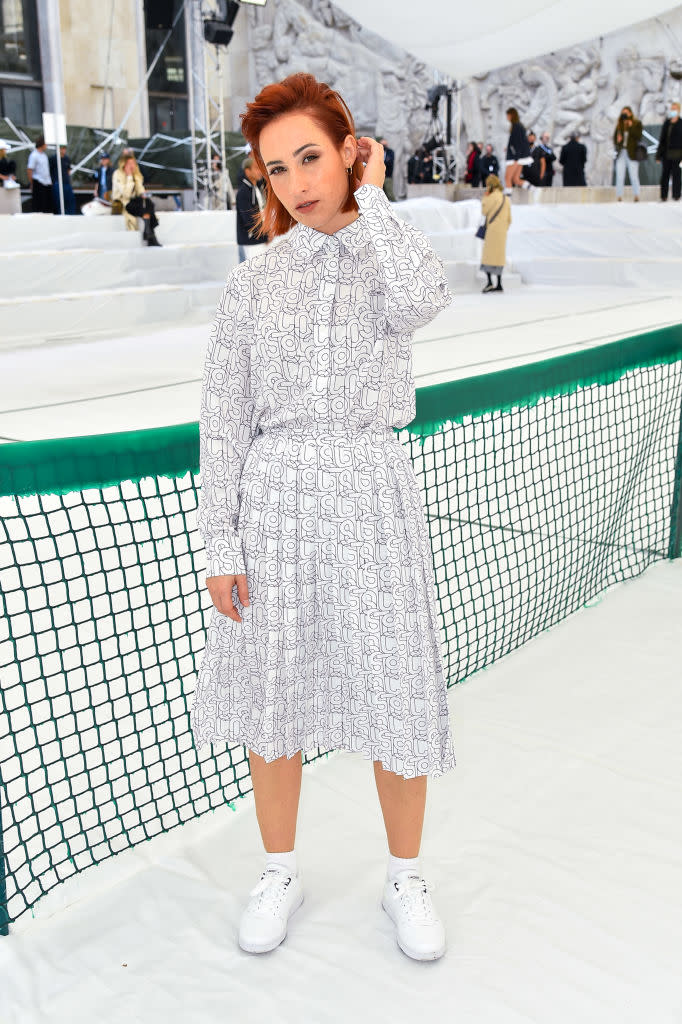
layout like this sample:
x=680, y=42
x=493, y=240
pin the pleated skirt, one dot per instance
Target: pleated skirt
x=340, y=646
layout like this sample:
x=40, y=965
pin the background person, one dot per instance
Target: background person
x=39, y=178
x=550, y=157
x=573, y=158
x=69, y=197
x=488, y=163
x=221, y=180
x=8, y=168
x=250, y=200
x=389, y=157
x=626, y=137
x=103, y=176
x=496, y=208
x=518, y=151
x=535, y=171
x=669, y=152
x=128, y=187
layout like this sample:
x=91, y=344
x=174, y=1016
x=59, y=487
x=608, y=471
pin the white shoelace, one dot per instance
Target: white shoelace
x=413, y=893
x=270, y=890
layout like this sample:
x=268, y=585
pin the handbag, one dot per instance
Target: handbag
x=117, y=206
x=640, y=152
x=481, y=230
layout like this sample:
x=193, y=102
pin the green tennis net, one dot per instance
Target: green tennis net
x=543, y=485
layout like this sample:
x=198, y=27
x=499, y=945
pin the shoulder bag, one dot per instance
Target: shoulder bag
x=480, y=233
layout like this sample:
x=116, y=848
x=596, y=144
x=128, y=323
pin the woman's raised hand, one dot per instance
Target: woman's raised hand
x=371, y=153
x=220, y=589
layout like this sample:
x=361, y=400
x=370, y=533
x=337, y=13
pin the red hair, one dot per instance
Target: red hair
x=302, y=92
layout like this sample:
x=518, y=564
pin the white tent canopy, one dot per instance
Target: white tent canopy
x=464, y=39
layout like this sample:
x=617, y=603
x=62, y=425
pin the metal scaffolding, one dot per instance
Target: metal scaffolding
x=206, y=108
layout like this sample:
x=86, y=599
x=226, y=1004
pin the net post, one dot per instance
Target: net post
x=4, y=912
x=675, y=546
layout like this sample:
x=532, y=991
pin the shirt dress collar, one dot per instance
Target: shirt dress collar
x=354, y=236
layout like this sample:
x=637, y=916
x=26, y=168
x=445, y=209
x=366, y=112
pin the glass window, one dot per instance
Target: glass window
x=170, y=71
x=21, y=104
x=19, y=52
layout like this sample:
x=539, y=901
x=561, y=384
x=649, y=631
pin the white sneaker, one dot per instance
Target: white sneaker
x=272, y=901
x=419, y=930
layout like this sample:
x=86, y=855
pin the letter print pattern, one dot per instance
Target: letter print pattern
x=306, y=489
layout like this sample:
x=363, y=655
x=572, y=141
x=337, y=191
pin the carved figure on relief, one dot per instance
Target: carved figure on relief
x=639, y=83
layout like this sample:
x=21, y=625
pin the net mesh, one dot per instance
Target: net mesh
x=543, y=485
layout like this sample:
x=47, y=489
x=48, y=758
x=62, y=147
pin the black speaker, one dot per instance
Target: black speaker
x=158, y=14
x=219, y=30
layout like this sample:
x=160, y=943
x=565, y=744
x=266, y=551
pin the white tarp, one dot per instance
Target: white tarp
x=462, y=40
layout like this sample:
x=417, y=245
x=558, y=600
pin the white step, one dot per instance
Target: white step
x=33, y=320
x=48, y=272
x=611, y=271
x=23, y=231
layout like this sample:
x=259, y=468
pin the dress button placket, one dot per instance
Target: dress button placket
x=328, y=277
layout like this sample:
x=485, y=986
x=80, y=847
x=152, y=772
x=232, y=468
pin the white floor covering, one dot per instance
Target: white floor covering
x=153, y=379
x=555, y=847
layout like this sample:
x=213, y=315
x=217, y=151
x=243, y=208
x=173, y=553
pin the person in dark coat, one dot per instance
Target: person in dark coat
x=103, y=176
x=669, y=152
x=488, y=164
x=550, y=157
x=535, y=171
x=69, y=197
x=389, y=157
x=573, y=158
x=518, y=151
x=250, y=199
x=413, y=165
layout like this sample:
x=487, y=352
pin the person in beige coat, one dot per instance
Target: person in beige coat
x=127, y=185
x=496, y=209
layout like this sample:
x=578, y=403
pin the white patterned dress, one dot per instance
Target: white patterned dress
x=306, y=488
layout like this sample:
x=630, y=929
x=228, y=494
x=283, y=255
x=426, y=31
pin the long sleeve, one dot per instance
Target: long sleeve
x=225, y=426
x=117, y=182
x=413, y=280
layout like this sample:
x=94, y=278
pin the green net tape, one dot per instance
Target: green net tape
x=543, y=485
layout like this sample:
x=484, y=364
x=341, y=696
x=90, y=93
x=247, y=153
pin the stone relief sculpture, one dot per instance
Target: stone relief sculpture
x=385, y=87
x=579, y=89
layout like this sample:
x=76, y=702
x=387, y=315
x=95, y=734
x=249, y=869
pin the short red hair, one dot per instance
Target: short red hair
x=302, y=92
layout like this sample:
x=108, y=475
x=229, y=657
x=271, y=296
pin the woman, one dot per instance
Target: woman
x=316, y=517
x=127, y=185
x=472, y=155
x=8, y=168
x=626, y=137
x=496, y=209
x=518, y=152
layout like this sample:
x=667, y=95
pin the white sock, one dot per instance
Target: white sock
x=396, y=864
x=285, y=860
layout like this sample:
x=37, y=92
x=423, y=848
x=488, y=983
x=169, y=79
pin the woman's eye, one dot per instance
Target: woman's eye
x=309, y=156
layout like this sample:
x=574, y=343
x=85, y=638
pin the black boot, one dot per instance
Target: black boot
x=149, y=235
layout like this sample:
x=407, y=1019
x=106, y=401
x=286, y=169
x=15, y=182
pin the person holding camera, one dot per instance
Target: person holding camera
x=626, y=138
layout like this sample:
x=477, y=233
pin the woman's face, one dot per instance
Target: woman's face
x=129, y=166
x=303, y=165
